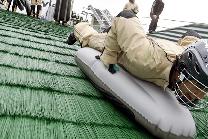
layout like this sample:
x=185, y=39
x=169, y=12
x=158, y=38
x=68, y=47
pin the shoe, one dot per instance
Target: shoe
x=150, y=31
x=64, y=24
x=71, y=39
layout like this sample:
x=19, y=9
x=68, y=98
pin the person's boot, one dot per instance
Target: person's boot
x=64, y=23
x=39, y=7
x=71, y=39
x=151, y=31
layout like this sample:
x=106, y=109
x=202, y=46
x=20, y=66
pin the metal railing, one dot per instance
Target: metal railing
x=164, y=23
x=103, y=17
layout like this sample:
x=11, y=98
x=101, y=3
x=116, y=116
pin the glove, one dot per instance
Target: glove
x=97, y=57
x=113, y=68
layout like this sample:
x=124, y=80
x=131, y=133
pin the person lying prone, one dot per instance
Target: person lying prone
x=182, y=68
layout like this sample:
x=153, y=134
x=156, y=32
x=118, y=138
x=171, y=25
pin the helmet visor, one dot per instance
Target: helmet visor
x=191, y=92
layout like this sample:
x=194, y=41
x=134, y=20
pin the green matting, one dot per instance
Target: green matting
x=43, y=94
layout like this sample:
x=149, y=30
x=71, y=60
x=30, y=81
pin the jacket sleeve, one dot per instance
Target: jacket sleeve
x=112, y=49
x=109, y=56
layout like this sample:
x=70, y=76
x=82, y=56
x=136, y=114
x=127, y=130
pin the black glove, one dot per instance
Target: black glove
x=112, y=69
x=97, y=57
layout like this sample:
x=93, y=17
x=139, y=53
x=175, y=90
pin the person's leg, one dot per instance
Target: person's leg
x=28, y=10
x=39, y=7
x=83, y=31
x=151, y=26
x=87, y=36
x=33, y=10
x=151, y=23
x=14, y=6
x=33, y=3
x=154, y=25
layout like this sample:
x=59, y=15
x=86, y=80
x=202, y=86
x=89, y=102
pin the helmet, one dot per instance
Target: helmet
x=191, y=83
x=191, y=33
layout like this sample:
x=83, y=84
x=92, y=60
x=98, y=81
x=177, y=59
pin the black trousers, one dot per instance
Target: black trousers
x=39, y=7
x=153, y=24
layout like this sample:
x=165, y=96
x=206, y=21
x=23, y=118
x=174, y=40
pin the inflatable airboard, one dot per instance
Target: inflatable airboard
x=157, y=110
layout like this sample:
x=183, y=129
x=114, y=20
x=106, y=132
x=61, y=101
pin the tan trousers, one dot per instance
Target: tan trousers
x=88, y=37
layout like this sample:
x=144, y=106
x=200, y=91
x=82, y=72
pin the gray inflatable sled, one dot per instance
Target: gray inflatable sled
x=157, y=110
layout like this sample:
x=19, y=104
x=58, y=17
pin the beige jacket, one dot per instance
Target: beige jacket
x=36, y=2
x=146, y=58
x=131, y=6
x=89, y=37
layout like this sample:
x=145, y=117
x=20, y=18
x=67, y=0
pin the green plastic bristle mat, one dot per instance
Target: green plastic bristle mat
x=44, y=95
